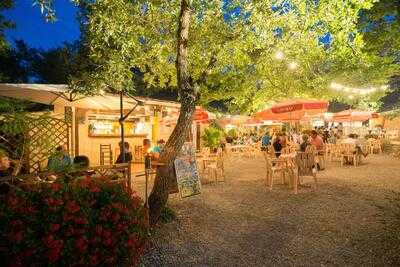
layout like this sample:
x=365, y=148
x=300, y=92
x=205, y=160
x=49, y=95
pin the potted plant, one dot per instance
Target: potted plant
x=211, y=138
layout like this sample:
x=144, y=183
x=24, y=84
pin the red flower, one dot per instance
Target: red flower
x=132, y=241
x=54, y=255
x=16, y=223
x=110, y=260
x=108, y=242
x=94, y=189
x=94, y=260
x=98, y=230
x=81, y=244
x=72, y=207
x=69, y=232
x=13, y=201
x=106, y=233
x=56, y=187
x=115, y=217
x=54, y=227
x=81, y=220
x=68, y=217
x=79, y=231
x=16, y=237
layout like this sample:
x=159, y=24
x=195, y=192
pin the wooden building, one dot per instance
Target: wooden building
x=93, y=121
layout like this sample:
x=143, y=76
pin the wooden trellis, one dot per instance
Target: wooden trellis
x=45, y=134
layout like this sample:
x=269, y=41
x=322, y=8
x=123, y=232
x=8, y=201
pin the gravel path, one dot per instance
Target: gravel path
x=241, y=223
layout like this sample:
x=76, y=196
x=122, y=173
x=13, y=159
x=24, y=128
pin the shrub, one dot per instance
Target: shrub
x=88, y=222
x=212, y=137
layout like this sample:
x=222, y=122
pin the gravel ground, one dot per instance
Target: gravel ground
x=241, y=223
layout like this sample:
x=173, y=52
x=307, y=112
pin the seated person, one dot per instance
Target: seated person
x=159, y=147
x=81, y=162
x=60, y=159
x=353, y=139
x=305, y=143
x=6, y=167
x=317, y=141
x=148, y=150
x=128, y=154
x=278, y=146
x=265, y=141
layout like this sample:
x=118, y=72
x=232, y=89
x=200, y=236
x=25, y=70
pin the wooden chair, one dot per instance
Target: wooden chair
x=273, y=167
x=349, y=154
x=284, y=167
x=106, y=157
x=305, y=162
x=213, y=167
x=377, y=146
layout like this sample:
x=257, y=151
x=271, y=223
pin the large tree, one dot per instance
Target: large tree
x=226, y=50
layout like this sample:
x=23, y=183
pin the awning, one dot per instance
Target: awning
x=353, y=115
x=253, y=122
x=60, y=94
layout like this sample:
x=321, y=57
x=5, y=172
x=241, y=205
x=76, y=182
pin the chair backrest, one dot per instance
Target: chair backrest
x=305, y=162
x=106, y=156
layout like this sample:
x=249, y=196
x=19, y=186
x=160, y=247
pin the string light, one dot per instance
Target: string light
x=279, y=55
x=361, y=91
x=293, y=65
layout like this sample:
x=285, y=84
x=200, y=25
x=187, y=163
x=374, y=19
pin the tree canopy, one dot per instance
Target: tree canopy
x=233, y=48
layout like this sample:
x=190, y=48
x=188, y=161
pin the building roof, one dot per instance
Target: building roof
x=60, y=94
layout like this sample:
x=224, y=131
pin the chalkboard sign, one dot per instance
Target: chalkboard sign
x=187, y=174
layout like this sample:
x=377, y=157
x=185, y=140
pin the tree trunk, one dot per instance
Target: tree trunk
x=165, y=180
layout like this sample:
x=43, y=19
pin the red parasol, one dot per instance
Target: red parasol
x=293, y=110
x=201, y=115
x=309, y=106
x=353, y=115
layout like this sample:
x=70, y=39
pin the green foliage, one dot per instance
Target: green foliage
x=232, y=56
x=167, y=215
x=66, y=224
x=13, y=131
x=232, y=133
x=211, y=137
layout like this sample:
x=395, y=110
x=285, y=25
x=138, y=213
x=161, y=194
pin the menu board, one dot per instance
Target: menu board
x=187, y=174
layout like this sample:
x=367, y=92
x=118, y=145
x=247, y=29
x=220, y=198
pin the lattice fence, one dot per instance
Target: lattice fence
x=45, y=134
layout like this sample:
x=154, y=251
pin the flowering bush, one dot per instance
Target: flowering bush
x=84, y=223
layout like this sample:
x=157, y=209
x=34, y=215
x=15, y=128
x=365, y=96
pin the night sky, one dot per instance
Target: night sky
x=32, y=28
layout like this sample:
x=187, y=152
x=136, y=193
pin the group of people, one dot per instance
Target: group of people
x=314, y=138
x=61, y=160
x=153, y=152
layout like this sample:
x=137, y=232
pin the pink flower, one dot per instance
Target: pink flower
x=81, y=244
x=72, y=207
x=54, y=227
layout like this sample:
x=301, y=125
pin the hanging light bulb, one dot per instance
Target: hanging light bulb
x=279, y=55
x=293, y=65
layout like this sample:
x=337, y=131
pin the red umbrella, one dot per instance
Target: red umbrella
x=308, y=106
x=293, y=110
x=201, y=115
x=354, y=115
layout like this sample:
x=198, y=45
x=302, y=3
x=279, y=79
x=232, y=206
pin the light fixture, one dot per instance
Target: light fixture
x=293, y=65
x=279, y=55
